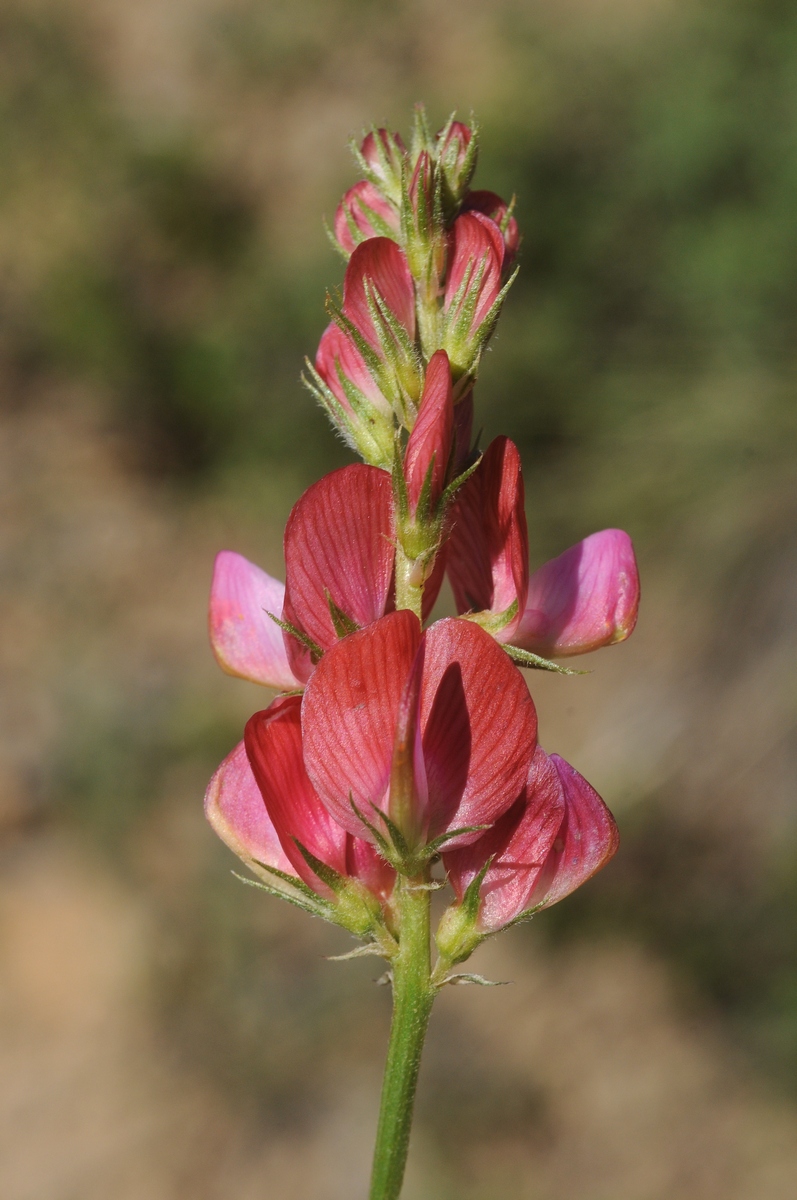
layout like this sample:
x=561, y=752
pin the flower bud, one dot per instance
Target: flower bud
x=364, y=213
x=492, y=206
x=351, y=398
x=473, y=289
x=382, y=155
x=429, y=446
x=423, y=226
x=457, y=149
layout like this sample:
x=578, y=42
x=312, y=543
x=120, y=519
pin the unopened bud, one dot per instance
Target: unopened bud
x=364, y=213
x=457, y=149
x=383, y=155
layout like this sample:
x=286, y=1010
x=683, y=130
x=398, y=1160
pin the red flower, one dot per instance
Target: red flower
x=473, y=286
x=364, y=213
x=429, y=444
x=498, y=211
x=435, y=730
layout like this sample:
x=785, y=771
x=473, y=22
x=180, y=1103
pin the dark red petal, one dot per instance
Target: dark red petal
x=488, y=548
x=380, y=262
x=479, y=727
x=349, y=716
x=586, y=840
x=518, y=843
x=338, y=540
x=273, y=740
x=432, y=433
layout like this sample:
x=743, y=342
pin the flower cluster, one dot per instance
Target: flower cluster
x=397, y=746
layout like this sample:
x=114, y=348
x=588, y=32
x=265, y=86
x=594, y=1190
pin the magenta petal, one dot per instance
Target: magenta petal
x=488, y=548
x=245, y=640
x=349, y=717
x=273, y=740
x=381, y=264
x=586, y=840
x=338, y=540
x=429, y=443
x=235, y=809
x=518, y=843
x=586, y=598
x=479, y=728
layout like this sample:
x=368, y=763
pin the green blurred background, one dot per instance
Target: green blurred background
x=166, y=1032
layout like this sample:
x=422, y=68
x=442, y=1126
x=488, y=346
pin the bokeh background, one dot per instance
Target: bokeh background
x=166, y=1032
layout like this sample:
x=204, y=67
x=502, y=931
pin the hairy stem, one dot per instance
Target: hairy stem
x=409, y=583
x=413, y=995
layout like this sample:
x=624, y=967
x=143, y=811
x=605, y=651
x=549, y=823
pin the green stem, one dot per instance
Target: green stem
x=413, y=995
x=408, y=593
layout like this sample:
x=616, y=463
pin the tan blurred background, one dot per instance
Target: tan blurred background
x=166, y=1032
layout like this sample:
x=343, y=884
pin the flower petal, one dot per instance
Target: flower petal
x=382, y=264
x=518, y=843
x=432, y=433
x=476, y=255
x=586, y=598
x=337, y=353
x=235, y=809
x=353, y=208
x=488, y=548
x=587, y=839
x=479, y=727
x=338, y=540
x=273, y=740
x=496, y=209
x=245, y=640
x=349, y=716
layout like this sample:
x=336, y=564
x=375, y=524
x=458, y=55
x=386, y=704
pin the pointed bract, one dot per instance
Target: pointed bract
x=586, y=598
x=235, y=809
x=338, y=547
x=429, y=444
x=488, y=546
x=245, y=640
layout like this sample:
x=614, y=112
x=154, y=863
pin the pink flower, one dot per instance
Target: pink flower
x=383, y=154
x=429, y=445
x=554, y=838
x=472, y=290
x=435, y=730
x=378, y=268
x=498, y=211
x=261, y=803
x=586, y=598
x=456, y=154
x=364, y=213
x=245, y=640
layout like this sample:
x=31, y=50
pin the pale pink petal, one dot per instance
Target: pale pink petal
x=488, y=547
x=585, y=842
x=586, y=598
x=235, y=809
x=338, y=540
x=273, y=740
x=349, y=717
x=366, y=864
x=479, y=727
x=245, y=640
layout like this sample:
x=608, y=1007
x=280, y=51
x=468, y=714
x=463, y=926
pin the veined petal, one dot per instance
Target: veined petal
x=488, y=547
x=586, y=840
x=336, y=354
x=380, y=263
x=245, y=640
x=349, y=716
x=273, y=740
x=235, y=809
x=496, y=209
x=518, y=843
x=479, y=727
x=338, y=541
x=586, y=598
x=431, y=437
